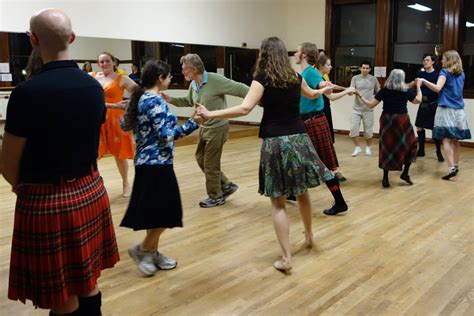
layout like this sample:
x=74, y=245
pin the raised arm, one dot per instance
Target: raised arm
x=231, y=87
x=186, y=101
x=435, y=87
x=309, y=93
x=250, y=101
x=338, y=95
x=419, y=96
x=370, y=104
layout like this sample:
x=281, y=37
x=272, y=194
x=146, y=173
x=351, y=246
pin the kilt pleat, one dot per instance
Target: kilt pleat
x=320, y=134
x=397, y=144
x=63, y=237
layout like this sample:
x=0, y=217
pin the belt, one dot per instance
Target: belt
x=311, y=115
x=67, y=177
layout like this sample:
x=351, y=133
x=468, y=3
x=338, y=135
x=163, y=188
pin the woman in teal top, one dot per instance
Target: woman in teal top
x=450, y=123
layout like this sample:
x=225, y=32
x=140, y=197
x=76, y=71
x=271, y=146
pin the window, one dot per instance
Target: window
x=20, y=50
x=418, y=31
x=468, y=46
x=355, y=40
x=240, y=64
x=208, y=56
x=171, y=53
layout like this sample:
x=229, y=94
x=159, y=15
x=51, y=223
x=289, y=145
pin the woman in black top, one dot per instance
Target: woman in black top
x=397, y=144
x=289, y=164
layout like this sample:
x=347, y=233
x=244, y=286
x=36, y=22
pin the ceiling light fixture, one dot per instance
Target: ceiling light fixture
x=469, y=24
x=419, y=7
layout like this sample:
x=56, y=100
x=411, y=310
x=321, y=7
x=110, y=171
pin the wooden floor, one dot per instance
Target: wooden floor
x=406, y=250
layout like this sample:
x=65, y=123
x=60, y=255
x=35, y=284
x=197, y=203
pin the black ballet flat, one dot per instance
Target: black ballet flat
x=451, y=174
x=385, y=183
x=406, y=178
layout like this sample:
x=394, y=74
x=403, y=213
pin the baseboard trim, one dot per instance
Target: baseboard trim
x=336, y=131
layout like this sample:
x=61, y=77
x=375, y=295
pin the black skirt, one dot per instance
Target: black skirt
x=426, y=114
x=155, y=200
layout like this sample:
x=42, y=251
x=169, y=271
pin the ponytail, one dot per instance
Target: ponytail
x=131, y=112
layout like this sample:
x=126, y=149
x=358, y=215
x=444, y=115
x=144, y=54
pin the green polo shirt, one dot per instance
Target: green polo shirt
x=211, y=94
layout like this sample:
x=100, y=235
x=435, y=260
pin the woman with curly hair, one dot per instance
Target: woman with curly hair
x=450, y=123
x=289, y=164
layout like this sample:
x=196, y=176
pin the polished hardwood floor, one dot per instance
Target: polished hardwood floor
x=405, y=250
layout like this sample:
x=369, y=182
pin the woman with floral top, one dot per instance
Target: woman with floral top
x=155, y=203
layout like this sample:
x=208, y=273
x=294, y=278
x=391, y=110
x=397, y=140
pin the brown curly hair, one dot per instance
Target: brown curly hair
x=273, y=63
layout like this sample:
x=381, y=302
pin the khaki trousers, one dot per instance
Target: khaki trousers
x=208, y=157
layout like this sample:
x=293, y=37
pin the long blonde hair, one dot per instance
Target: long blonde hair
x=273, y=63
x=453, y=62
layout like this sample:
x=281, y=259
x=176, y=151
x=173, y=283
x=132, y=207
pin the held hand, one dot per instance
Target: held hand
x=165, y=96
x=350, y=90
x=202, y=111
x=122, y=105
x=198, y=119
x=419, y=82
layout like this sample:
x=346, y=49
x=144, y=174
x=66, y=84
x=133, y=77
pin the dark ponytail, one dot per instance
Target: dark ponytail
x=152, y=71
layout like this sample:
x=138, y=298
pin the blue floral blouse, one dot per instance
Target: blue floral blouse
x=156, y=131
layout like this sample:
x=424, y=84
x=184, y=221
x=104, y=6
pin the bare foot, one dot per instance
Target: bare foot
x=127, y=190
x=309, y=241
x=282, y=265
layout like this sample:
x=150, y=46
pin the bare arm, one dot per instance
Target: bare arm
x=435, y=87
x=369, y=104
x=309, y=93
x=250, y=101
x=419, y=95
x=338, y=95
x=12, y=150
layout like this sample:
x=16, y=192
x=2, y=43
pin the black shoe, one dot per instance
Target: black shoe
x=336, y=209
x=229, y=189
x=452, y=173
x=385, y=183
x=440, y=156
x=291, y=198
x=208, y=202
x=340, y=177
x=406, y=178
x=420, y=153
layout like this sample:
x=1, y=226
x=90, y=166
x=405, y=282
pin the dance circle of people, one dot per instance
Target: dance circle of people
x=61, y=120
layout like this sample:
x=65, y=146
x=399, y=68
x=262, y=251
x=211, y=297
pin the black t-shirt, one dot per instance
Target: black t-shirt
x=433, y=78
x=395, y=101
x=59, y=111
x=281, y=109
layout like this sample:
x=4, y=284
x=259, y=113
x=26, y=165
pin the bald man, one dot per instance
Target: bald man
x=63, y=234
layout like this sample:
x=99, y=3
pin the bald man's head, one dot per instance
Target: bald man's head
x=51, y=30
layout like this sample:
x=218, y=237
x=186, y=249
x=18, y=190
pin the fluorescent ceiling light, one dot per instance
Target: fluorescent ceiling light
x=419, y=7
x=469, y=24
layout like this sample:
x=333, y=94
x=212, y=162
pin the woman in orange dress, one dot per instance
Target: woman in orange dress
x=112, y=139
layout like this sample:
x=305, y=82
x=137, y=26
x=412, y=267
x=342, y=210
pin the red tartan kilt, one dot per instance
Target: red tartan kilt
x=397, y=144
x=320, y=135
x=63, y=237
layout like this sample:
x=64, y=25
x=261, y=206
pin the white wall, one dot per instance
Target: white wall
x=305, y=23
x=212, y=22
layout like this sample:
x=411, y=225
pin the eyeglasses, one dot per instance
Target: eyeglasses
x=171, y=77
x=28, y=33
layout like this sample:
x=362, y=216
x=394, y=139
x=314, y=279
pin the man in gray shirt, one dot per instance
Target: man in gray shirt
x=367, y=85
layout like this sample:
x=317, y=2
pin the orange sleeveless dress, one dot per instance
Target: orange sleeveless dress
x=113, y=140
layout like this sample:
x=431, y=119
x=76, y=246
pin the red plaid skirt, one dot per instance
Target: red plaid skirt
x=397, y=144
x=63, y=237
x=320, y=135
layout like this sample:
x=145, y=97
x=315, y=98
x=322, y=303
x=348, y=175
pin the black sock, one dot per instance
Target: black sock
x=406, y=168
x=385, y=174
x=421, y=140
x=91, y=305
x=333, y=186
x=438, y=145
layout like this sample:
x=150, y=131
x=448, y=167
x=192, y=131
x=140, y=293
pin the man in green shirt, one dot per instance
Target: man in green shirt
x=210, y=89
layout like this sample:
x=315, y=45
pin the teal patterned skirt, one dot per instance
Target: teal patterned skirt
x=289, y=166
